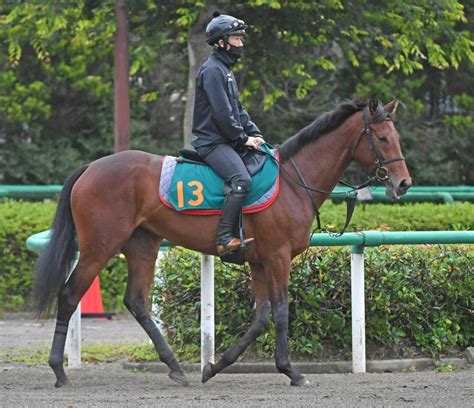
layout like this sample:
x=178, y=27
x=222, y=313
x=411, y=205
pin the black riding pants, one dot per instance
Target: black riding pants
x=226, y=162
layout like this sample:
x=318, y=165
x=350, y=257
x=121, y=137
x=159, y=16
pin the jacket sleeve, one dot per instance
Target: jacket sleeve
x=250, y=128
x=214, y=84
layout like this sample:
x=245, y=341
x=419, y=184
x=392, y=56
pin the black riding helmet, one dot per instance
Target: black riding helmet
x=222, y=26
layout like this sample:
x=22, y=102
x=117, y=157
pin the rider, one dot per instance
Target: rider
x=221, y=125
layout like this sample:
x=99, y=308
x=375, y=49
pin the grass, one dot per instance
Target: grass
x=445, y=368
x=92, y=353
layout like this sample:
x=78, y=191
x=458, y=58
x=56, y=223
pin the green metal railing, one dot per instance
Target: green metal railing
x=376, y=238
x=38, y=241
x=438, y=194
x=30, y=192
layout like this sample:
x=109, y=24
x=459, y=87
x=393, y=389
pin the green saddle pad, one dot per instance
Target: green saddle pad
x=198, y=188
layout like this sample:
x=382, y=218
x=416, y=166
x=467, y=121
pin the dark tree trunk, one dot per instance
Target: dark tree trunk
x=121, y=82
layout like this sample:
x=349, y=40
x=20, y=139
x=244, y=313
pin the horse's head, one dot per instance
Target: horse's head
x=377, y=148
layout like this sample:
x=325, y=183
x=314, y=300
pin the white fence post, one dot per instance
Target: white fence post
x=358, y=309
x=73, y=337
x=158, y=281
x=207, y=310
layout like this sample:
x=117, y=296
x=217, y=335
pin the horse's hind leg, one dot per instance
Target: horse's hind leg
x=141, y=251
x=259, y=323
x=69, y=297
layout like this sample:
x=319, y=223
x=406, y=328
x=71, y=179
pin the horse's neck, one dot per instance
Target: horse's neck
x=323, y=161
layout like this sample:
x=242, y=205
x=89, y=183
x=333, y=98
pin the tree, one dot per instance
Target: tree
x=301, y=58
x=121, y=83
x=198, y=51
x=54, y=87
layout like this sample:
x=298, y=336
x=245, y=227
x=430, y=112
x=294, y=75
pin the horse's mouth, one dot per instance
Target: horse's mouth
x=392, y=192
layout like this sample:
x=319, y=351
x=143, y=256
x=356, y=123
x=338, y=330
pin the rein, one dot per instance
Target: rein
x=381, y=173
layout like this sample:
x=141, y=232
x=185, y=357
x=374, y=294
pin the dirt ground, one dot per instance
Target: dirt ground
x=109, y=385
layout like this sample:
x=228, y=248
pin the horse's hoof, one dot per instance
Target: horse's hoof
x=207, y=373
x=179, y=377
x=300, y=382
x=62, y=383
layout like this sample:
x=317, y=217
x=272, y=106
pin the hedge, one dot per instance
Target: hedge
x=19, y=219
x=419, y=299
x=17, y=222
x=401, y=217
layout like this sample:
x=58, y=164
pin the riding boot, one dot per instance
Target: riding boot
x=226, y=241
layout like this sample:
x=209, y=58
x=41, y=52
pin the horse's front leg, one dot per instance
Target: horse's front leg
x=280, y=317
x=280, y=273
x=259, y=323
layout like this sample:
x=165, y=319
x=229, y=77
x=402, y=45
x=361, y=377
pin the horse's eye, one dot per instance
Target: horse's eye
x=382, y=138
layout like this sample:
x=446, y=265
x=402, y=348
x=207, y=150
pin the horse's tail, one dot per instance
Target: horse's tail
x=55, y=260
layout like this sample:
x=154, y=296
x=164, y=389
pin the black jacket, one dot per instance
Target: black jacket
x=218, y=114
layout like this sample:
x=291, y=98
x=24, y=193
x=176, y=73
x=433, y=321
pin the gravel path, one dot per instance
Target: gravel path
x=108, y=385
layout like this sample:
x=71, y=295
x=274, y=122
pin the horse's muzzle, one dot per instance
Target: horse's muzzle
x=395, y=188
x=403, y=186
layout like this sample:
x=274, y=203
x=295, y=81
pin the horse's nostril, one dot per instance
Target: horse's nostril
x=404, y=185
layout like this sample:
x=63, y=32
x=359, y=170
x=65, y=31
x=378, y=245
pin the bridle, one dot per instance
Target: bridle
x=380, y=173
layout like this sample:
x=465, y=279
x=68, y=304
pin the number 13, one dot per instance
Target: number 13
x=197, y=192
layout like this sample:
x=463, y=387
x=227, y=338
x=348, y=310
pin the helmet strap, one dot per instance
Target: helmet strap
x=226, y=42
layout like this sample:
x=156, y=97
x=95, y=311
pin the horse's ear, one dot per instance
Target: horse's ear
x=391, y=107
x=373, y=104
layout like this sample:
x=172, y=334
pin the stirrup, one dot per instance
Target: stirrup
x=233, y=245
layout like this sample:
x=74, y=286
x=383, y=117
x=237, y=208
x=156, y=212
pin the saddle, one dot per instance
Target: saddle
x=254, y=160
x=190, y=186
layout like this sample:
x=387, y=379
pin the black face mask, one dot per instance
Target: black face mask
x=237, y=51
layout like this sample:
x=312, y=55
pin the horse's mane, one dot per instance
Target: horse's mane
x=323, y=124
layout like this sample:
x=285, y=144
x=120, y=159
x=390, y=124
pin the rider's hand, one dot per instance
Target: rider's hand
x=254, y=141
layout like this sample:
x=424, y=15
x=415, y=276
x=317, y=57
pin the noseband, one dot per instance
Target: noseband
x=381, y=173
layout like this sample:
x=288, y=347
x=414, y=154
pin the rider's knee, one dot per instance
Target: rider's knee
x=240, y=186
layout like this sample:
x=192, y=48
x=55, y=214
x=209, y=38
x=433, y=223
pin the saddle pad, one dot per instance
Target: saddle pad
x=197, y=189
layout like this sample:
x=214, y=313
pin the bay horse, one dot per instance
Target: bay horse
x=112, y=205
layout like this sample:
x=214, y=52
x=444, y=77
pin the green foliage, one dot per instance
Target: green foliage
x=56, y=89
x=57, y=52
x=446, y=368
x=92, y=353
x=18, y=221
x=388, y=48
x=460, y=143
x=302, y=57
x=418, y=299
x=113, y=281
x=406, y=217
x=421, y=297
